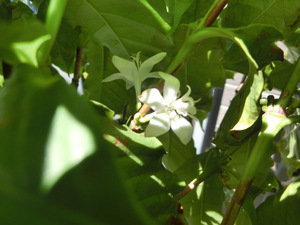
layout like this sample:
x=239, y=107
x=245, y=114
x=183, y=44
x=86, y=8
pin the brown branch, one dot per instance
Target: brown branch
x=236, y=203
x=78, y=67
x=215, y=12
x=191, y=186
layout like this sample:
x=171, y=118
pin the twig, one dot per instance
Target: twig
x=236, y=203
x=78, y=67
x=191, y=186
x=214, y=12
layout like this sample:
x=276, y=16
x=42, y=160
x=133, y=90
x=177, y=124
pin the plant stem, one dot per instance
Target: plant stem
x=258, y=155
x=54, y=16
x=157, y=16
x=290, y=87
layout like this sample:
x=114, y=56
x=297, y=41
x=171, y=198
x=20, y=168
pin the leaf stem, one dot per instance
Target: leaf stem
x=53, y=19
x=157, y=16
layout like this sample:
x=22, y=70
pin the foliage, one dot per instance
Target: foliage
x=76, y=153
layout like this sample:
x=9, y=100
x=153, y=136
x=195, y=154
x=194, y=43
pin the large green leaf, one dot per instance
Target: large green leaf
x=47, y=130
x=248, y=96
x=204, y=204
x=113, y=94
x=259, y=40
x=176, y=9
x=201, y=166
x=251, y=109
x=282, y=14
x=176, y=152
x=280, y=74
x=122, y=32
x=288, y=146
x=281, y=208
x=33, y=210
x=197, y=11
x=140, y=160
x=64, y=49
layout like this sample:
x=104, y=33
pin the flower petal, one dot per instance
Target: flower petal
x=185, y=107
x=148, y=64
x=127, y=68
x=171, y=87
x=158, y=125
x=117, y=76
x=153, y=75
x=153, y=98
x=182, y=128
x=186, y=104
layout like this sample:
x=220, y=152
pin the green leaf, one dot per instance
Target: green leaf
x=116, y=29
x=288, y=146
x=176, y=9
x=33, y=210
x=140, y=160
x=36, y=151
x=176, y=152
x=281, y=208
x=200, y=166
x=247, y=215
x=251, y=109
x=112, y=94
x=280, y=74
x=204, y=203
x=21, y=42
x=282, y=14
x=259, y=40
x=64, y=49
x=196, y=11
x=225, y=136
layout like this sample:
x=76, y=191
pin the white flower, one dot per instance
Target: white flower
x=133, y=72
x=169, y=111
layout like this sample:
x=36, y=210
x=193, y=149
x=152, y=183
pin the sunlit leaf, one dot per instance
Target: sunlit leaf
x=47, y=130
x=21, y=42
x=140, y=160
x=116, y=29
x=204, y=203
x=282, y=14
x=288, y=146
x=259, y=40
x=225, y=136
x=281, y=208
x=251, y=109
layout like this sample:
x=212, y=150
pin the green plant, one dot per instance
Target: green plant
x=105, y=157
